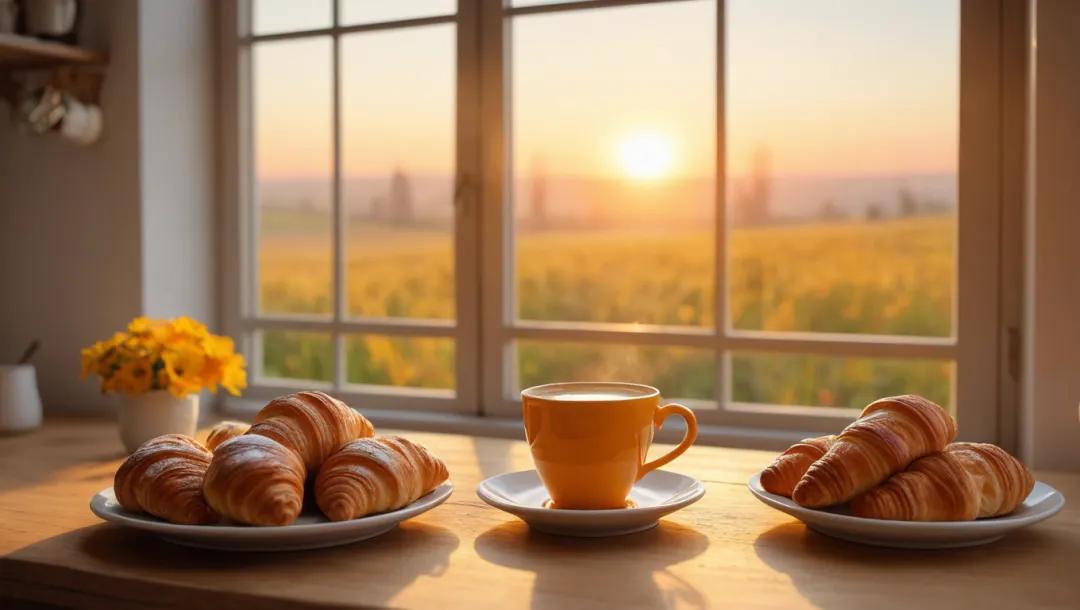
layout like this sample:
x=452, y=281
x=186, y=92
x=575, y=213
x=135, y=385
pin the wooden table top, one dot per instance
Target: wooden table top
x=726, y=551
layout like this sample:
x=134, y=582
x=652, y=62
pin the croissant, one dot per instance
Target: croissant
x=164, y=477
x=890, y=434
x=255, y=480
x=966, y=481
x=1004, y=482
x=223, y=432
x=312, y=424
x=784, y=473
x=374, y=475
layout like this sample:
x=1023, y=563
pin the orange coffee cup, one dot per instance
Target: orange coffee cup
x=589, y=440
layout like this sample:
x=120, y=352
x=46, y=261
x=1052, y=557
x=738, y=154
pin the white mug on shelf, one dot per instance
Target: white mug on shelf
x=20, y=403
x=82, y=123
x=50, y=17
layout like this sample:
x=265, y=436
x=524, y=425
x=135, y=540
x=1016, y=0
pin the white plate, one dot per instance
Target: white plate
x=1042, y=503
x=657, y=494
x=308, y=532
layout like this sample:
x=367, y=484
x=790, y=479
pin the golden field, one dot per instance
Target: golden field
x=890, y=277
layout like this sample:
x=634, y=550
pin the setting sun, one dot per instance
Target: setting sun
x=645, y=156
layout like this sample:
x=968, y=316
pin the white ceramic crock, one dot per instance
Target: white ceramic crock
x=20, y=403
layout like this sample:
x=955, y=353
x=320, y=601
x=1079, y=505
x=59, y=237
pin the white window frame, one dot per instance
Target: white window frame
x=486, y=326
x=240, y=241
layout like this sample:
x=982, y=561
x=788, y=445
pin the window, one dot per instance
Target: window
x=773, y=211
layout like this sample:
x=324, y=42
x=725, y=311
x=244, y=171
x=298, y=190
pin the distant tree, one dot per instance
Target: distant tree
x=538, y=211
x=908, y=205
x=830, y=211
x=875, y=211
x=377, y=210
x=753, y=199
x=936, y=207
x=401, y=198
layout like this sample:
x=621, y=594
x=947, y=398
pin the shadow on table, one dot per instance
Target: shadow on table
x=73, y=456
x=1009, y=573
x=367, y=573
x=623, y=571
x=494, y=456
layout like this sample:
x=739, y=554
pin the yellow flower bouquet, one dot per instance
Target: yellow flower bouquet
x=179, y=355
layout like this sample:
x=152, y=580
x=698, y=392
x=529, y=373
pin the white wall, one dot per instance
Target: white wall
x=176, y=92
x=70, y=225
x=91, y=237
x=1050, y=423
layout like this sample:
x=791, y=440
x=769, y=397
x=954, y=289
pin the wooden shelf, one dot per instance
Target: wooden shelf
x=25, y=52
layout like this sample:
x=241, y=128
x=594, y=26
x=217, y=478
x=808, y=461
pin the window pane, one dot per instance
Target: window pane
x=275, y=16
x=412, y=362
x=298, y=355
x=842, y=160
x=516, y=3
x=810, y=380
x=293, y=169
x=376, y=11
x=613, y=164
x=678, y=372
x=398, y=159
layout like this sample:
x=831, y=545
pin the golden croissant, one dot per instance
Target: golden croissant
x=375, y=475
x=890, y=434
x=223, y=432
x=966, y=481
x=312, y=424
x=164, y=477
x=784, y=473
x=255, y=480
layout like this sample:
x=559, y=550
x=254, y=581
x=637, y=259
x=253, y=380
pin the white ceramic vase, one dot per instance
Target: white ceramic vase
x=155, y=413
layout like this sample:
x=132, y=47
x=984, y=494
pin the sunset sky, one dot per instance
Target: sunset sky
x=830, y=86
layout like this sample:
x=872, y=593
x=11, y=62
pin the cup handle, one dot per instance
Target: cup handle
x=688, y=439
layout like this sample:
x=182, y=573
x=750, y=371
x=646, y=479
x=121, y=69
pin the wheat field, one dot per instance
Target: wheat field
x=892, y=277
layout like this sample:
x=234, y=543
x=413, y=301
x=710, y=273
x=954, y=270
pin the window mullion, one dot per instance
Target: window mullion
x=494, y=238
x=978, y=240
x=720, y=324
x=466, y=213
x=338, y=211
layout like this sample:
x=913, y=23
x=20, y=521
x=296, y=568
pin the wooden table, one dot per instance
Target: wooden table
x=726, y=551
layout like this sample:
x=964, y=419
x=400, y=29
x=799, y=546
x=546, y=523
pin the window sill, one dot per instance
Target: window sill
x=508, y=427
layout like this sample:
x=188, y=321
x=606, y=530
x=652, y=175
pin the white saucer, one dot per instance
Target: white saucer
x=659, y=493
x=308, y=532
x=1043, y=502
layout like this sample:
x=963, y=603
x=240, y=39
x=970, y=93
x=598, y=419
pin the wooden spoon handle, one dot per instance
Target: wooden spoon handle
x=29, y=353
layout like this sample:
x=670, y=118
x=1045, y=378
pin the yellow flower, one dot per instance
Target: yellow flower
x=112, y=383
x=187, y=326
x=219, y=347
x=135, y=376
x=186, y=364
x=235, y=377
x=164, y=378
x=177, y=384
x=90, y=358
x=117, y=340
x=178, y=355
x=160, y=334
x=181, y=387
x=212, y=375
x=142, y=325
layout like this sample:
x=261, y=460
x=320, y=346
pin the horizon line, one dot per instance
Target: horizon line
x=328, y=177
